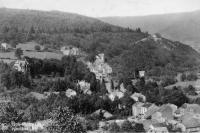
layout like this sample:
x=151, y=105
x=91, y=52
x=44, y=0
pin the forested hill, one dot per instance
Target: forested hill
x=50, y=21
x=125, y=49
x=184, y=27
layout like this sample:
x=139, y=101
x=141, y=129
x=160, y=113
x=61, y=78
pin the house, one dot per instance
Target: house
x=21, y=65
x=156, y=37
x=85, y=87
x=116, y=93
x=138, y=97
x=155, y=127
x=193, y=108
x=157, y=117
x=5, y=100
x=178, y=113
x=168, y=111
x=191, y=121
x=39, y=125
x=70, y=93
x=141, y=74
x=36, y=95
x=5, y=46
x=139, y=109
x=143, y=110
x=104, y=113
x=70, y=50
x=151, y=110
x=100, y=68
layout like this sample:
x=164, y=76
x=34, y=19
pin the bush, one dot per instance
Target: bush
x=64, y=121
x=127, y=126
x=190, y=90
x=113, y=127
x=92, y=125
x=189, y=77
x=192, y=77
x=139, y=128
x=168, y=80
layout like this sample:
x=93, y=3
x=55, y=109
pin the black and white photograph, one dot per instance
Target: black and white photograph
x=99, y=66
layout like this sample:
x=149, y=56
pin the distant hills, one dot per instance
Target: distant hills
x=184, y=27
x=125, y=49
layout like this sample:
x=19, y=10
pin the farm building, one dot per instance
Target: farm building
x=5, y=46
x=70, y=50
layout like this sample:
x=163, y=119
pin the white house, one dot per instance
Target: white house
x=5, y=46
x=21, y=65
x=85, y=87
x=70, y=93
x=141, y=74
x=70, y=50
x=116, y=93
x=157, y=129
x=138, y=109
x=138, y=97
x=101, y=69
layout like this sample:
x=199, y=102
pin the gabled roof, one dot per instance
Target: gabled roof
x=151, y=110
x=168, y=110
x=106, y=114
x=191, y=120
x=195, y=108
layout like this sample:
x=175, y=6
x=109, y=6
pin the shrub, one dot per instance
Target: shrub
x=113, y=127
x=92, y=125
x=192, y=77
x=139, y=128
x=64, y=121
x=168, y=80
x=127, y=126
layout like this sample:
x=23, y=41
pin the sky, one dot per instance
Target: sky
x=103, y=8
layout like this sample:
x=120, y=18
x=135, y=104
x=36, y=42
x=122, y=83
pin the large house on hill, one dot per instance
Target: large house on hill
x=101, y=69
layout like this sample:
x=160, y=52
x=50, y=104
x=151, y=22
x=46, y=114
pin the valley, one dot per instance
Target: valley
x=85, y=75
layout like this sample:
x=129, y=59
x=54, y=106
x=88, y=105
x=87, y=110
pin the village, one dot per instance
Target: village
x=151, y=117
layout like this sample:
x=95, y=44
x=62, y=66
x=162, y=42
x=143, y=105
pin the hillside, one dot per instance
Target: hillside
x=125, y=49
x=48, y=21
x=184, y=27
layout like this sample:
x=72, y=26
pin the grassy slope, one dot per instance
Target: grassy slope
x=184, y=27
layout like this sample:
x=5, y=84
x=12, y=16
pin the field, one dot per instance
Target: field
x=196, y=84
x=39, y=55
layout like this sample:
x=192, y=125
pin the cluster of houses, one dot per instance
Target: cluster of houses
x=100, y=68
x=158, y=119
x=70, y=50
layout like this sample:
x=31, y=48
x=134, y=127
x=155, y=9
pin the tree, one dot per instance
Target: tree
x=18, y=53
x=9, y=116
x=139, y=127
x=64, y=121
x=113, y=127
x=5, y=80
x=127, y=126
x=190, y=90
